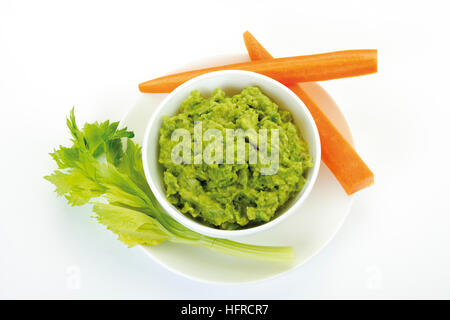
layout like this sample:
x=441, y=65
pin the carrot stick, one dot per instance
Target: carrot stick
x=339, y=156
x=316, y=67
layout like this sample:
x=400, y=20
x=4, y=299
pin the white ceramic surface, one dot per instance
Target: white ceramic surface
x=321, y=216
x=232, y=82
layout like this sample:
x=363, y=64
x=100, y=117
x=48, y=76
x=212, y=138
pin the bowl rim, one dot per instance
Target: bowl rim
x=204, y=229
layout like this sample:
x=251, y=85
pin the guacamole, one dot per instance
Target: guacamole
x=208, y=150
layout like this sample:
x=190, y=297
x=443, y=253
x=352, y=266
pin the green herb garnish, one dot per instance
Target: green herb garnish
x=97, y=170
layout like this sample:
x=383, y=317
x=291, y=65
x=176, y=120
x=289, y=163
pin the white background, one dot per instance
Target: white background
x=53, y=55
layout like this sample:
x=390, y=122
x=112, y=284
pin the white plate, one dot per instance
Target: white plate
x=307, y=230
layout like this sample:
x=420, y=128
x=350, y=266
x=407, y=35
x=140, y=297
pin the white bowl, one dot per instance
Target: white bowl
x=231, y=81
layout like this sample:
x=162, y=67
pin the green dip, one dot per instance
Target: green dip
x=232, y=195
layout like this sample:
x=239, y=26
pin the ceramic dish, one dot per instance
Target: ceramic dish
x=232, y=82
x=307, y=230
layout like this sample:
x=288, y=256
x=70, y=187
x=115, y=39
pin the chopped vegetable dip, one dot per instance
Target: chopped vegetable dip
x=224, y=187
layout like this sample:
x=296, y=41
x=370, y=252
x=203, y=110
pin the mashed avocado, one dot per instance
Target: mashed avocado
x=238, y=194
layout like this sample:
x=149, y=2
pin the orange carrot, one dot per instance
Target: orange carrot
x=316, y=67
x=339, y=156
